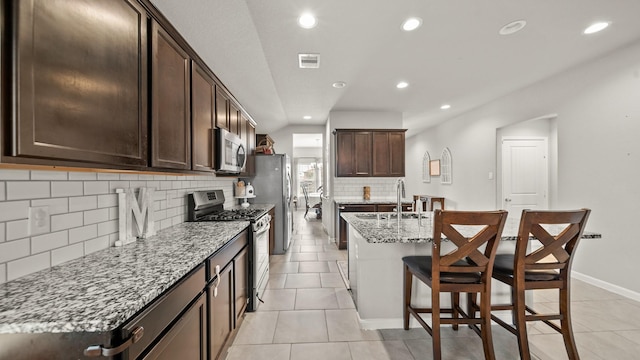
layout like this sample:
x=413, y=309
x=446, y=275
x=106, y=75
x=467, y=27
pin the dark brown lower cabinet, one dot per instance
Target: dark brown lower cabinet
x=240, y=281
x=187, y=339
x=221, y=314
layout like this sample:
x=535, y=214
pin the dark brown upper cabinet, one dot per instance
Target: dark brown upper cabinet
x=78, y=81
x=370, y=152
x=171, y=104
x=250, y=135
x=203, y=119
x=222, y=109
x=388, y=153
x=234, y=119
x=353, y=153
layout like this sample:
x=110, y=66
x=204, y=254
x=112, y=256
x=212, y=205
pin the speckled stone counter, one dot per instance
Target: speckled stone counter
x=265, y=207
x=361, y=201
x=100, y=291
x=387, y=230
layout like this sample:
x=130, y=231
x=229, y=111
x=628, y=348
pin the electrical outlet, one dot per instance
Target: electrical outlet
x=39, y=220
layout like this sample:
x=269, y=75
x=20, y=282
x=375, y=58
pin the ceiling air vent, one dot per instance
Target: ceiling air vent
x=309, y=61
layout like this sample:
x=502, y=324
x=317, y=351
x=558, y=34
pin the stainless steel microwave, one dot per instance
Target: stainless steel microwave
x=231, y=155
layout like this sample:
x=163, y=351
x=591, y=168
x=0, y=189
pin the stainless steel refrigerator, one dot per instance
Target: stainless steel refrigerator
x=272, y=184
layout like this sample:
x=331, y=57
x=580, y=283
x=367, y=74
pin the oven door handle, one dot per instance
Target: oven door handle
x=263, y=230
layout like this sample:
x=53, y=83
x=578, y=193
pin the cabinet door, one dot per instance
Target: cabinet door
x=222, y=109
x=396, y=153
x=187, y=338
x=381, y=156
x=80, y=81
x=202, y=112
x=344, y=153
x=234, y=126
x=170, y=116
x=362, y=153
x=250, y=167
x=241, y=281
x=221, y=315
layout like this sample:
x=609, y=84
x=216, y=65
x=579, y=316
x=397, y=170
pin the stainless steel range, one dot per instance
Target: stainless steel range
x=209, y=206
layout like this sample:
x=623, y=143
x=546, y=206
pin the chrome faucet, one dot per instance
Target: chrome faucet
x=399, y=189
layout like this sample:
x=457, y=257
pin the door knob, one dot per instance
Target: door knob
x=507, y=200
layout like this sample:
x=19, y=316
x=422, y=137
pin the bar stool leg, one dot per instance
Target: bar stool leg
x=485, y=315
x=521, y=324
x=435, y=324
x=565, y=324
x=408, y=282
x=455, y=303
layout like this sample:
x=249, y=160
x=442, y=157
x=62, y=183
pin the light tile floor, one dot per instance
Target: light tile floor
x=308, y=314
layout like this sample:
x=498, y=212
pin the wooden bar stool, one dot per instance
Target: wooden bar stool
x=464, y=269
x=546, y=267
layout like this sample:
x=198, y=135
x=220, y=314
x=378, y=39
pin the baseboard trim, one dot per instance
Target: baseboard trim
x=607, y=286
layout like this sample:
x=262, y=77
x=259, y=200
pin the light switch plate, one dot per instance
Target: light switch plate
x=39, y=220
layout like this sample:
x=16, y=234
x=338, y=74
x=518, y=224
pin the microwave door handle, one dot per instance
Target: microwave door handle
x=244, y=155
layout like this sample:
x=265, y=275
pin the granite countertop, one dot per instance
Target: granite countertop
x=360, y=200
x=410, y=231
x=265, y=207
x=102, y=290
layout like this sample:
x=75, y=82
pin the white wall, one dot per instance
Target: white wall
x=283, y=138
x=597, y=130
x=83, y=211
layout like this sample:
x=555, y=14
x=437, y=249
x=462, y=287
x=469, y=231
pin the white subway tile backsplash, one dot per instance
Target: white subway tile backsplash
x=49, y=241
x=96, y=216
x=108, y=176
x=108, y=200
x=64, y=254
x=96, y=187
x=56, y=206
x=6, y=174
x=83, y=176
x=66, y=188
x=28, y=265
x=94, y=245
x=20, y=190
x=84, y=212
x=48, y=175
x=83, y=233
x=81, y=203
x=17, y=229
x=12, y=250
x=14, y=210
x=66, y=221
x=108, y=227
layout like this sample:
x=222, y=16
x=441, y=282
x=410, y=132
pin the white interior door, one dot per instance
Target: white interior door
x=525, y=179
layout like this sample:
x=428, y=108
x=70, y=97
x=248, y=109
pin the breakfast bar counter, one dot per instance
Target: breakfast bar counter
x=375, y=251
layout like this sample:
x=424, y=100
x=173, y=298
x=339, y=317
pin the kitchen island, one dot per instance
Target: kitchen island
x=376, y=248
x=88, y=300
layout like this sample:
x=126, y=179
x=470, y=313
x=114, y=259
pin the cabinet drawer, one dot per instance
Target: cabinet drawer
x=358, y=208
x=223, y=256
x=164, y=310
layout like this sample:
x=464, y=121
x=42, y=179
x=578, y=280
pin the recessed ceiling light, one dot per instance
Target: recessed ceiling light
x=307, y=21
x=307, y=117
x=596, y=27
x=339, y=84
x=402, y=85
x=512, y=27
x=411, y=24
x=445, y=107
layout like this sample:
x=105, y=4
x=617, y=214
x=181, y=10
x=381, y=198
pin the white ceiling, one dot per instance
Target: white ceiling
x=456, y=57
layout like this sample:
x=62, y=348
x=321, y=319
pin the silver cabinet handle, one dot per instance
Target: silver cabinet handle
x=341, y=207
x=215, y=288
x=98, y=350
